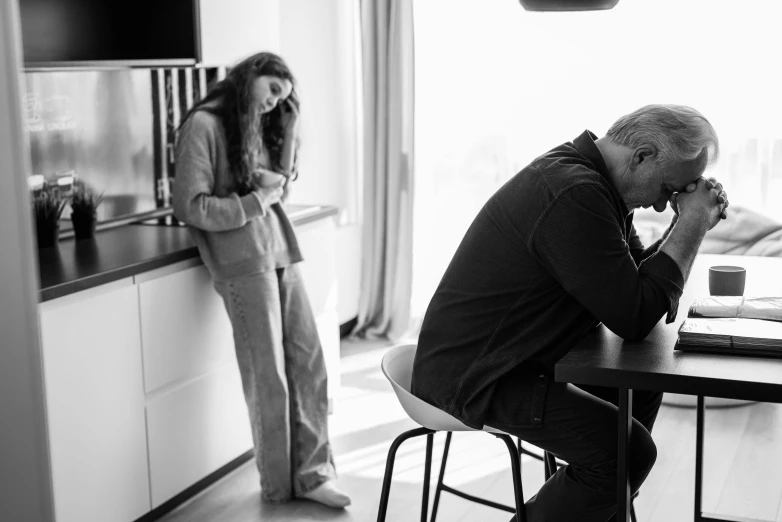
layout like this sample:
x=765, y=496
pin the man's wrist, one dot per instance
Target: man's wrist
x=693, y=223
x=684, y=241
x=670, y=227
x=674, y=220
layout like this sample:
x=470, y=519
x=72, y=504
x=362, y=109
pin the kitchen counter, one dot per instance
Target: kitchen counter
x=135, y=315
x=125, y=251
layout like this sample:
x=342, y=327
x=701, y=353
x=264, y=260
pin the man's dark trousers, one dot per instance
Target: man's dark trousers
x=579, y=426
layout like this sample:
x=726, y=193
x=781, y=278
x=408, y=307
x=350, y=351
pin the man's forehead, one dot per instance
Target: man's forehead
x=689, y=171
x=699, y=162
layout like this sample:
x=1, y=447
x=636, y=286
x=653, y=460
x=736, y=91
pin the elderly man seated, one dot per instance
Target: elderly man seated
x=552, y=254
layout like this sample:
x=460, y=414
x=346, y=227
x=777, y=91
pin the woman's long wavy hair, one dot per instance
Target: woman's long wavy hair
x=246, y=132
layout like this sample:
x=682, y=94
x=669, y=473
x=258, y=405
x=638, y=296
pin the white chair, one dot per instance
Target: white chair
x=398, y=368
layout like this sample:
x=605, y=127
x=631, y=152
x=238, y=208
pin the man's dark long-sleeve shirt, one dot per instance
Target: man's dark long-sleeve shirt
x=552, y=253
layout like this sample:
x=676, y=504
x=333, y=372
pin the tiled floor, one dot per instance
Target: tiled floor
x=743, y=473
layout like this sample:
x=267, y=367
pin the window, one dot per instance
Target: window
x=497, y=86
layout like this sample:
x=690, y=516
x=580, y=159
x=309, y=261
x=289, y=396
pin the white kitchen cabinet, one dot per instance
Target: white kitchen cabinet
x=144, y=396
x=317, y=241
x=185, y=329
x=95, y=404
x=195, y=429
x=231, y=30
x=197, y=418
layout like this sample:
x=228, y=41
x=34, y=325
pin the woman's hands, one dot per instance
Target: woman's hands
x=258, y=171
x=290, y=114
x=268, y=196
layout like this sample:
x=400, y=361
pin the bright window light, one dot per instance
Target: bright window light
x=497, y=86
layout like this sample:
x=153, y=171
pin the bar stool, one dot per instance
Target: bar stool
x=397, y=366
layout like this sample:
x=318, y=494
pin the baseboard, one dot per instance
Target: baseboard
x=345, y=329
x=176, y=501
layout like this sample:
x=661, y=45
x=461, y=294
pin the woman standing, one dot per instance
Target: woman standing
x=235, y=156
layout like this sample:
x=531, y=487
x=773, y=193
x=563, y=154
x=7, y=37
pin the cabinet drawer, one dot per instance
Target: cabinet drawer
x=185, y=330
x=194, y=430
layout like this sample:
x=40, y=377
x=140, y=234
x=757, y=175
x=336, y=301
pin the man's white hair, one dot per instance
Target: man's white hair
x=679, y=133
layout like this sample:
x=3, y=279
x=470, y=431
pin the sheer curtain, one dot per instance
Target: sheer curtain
x=497, y=86
x=388, y=91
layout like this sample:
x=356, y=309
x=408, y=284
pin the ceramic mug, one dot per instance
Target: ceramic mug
x=727, y=280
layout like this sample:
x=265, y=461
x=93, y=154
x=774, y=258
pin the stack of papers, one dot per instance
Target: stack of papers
x=737, y=336
x=734, y=325
x=768, y=308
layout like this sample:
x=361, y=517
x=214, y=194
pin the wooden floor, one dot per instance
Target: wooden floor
x=743, y=475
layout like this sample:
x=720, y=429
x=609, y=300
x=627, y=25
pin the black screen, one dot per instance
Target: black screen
x=55, y=31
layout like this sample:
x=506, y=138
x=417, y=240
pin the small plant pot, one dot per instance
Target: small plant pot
x=48, y=233
x=83, y=225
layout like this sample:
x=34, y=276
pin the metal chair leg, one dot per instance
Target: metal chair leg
x=439, y=487
x=522, y=451
x=551, y=464
x=525, y=451
x=546, y=468
x=427, y=478
x=515, y=460
x=386, y=489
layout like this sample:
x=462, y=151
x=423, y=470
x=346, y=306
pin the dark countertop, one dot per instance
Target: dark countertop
x=129, y=250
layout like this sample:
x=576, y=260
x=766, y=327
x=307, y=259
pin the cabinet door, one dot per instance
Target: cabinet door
x=197, y=419
x=317, y=241
x=95, y=404
x=195, y=429
x=185, y=328
x=231, y=30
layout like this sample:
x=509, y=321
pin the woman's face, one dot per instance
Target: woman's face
x=268, y=91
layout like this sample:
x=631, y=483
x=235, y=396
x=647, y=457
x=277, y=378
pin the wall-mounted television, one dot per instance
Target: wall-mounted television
x=95, y=33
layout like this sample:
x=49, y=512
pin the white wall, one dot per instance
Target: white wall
x=25, y=471
x=232, y=30
x=318, y=39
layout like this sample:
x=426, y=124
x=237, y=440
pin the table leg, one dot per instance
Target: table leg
x=623, y=477
x=698, y=514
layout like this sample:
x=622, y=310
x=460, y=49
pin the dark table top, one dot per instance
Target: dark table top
x=602, y=358
x=128, y=250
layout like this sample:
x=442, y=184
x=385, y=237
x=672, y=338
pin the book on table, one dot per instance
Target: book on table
x=733, y=325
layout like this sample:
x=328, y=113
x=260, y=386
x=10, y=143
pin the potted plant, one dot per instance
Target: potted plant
x=84, y=209
x=48, y=205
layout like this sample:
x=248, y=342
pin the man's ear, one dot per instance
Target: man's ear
x=642, y=155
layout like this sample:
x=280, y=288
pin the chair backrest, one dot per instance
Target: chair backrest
x=397, y=366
